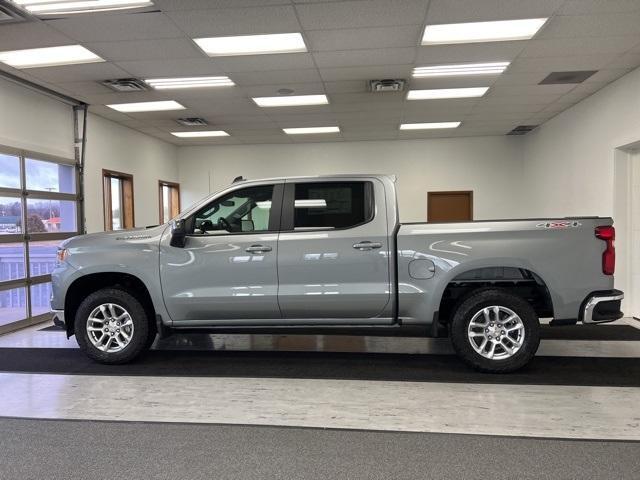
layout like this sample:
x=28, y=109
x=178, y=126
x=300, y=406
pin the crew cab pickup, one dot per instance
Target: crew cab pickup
x=327, y=255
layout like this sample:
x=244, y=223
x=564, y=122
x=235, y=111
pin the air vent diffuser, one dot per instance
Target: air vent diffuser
x=522, y=129
x=125, y=85
x=387, y=85
x=560, y=78
x=192, y=122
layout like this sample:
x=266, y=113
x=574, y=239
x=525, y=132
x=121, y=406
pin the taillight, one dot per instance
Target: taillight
x=608, y=234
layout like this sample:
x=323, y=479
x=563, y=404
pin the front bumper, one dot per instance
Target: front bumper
x=602, y=306
x=58, y=318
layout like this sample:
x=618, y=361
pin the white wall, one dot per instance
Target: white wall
x=569, y=161
x=33, y=121
x=490, y=166
x=115, y=147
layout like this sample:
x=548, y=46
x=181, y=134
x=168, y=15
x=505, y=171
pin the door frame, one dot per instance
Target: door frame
x=449, y=192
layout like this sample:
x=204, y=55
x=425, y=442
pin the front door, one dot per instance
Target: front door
x=227, y=269
x=334, y=253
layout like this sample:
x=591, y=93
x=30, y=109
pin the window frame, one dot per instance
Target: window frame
x=171, y=185
x=27, y=239
x=274, y=215
x=125, y=178
x=287, y=223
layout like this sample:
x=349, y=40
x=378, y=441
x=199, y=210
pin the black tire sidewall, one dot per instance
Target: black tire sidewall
x=139, y=340
x=470, y=305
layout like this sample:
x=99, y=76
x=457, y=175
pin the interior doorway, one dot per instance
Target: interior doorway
x=450, y=206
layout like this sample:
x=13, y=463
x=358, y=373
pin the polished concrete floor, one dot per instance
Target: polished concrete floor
x=582, y=410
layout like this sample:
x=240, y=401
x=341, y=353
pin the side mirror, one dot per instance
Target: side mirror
x=178, y=234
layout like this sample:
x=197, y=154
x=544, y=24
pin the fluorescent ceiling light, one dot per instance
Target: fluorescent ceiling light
x=209, y=133
x=147, y=106
x=49, y=57
x=291, y=100
x=252, y=44
x=53, y=7
x=460, y=69
x=497, y=31
x=189, y=82
x=439, y=93
x=298, y=131
x=429, y=126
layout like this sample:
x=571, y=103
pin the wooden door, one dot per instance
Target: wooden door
x=450, y=206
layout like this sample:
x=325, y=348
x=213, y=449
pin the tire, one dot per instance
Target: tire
x=89, y=331
x=518, y=336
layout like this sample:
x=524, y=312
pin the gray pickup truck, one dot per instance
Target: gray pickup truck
x=327, y=255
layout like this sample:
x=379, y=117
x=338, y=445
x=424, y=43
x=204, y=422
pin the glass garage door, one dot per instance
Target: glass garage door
x=38, y=209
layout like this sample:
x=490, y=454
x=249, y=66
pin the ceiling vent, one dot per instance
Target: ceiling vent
x=192, y=122
x=522, y=129
x=387, y=85
x=126, y=85
x=9, y=15
x=561, y=78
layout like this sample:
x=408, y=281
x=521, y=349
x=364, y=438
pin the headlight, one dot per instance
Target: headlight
x=62, y=255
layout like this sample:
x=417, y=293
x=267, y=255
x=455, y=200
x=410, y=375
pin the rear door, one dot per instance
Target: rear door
x=334, y=252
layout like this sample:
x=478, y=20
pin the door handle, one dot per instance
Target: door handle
x=366, y=245
x=258, y=249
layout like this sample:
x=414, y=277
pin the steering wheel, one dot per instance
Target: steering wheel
x=224, y=224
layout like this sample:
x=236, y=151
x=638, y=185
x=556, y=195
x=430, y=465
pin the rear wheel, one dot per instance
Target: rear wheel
x=111, y=326
x=495, y=331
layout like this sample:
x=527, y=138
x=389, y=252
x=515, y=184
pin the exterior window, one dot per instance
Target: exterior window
x=169, y=194
x=332, y=205
x=243, y=211
x=118, y=200
x=38, y=209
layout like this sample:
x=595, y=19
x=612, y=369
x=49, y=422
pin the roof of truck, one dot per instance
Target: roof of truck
x=391, y=177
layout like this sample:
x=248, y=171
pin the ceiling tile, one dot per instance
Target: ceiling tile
x=178, y=67
x=446, y=11
x=361, y=38
x=172, y=5
x=236, y=21
x=529, y=90
x=272, y=90
x=362, y=13
x=136, y=50
x=104, y=28
x=553, y=47
x=473, y=52
x=72, y=73
x=463, y=81
x=366, y=73
x=355, y=58
x=346, y=86
x=277, y=77
x=584, y=7
x=85, y=88
x=593, y=25
x=18, y=36
x=560, y=64
x=258, y=63
x=608, y=75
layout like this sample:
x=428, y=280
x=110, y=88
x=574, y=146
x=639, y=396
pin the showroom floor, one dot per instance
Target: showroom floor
x=241, y=406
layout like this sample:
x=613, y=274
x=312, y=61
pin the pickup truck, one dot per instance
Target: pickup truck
x=328, y=255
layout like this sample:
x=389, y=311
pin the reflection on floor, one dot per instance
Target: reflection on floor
x=567, y=410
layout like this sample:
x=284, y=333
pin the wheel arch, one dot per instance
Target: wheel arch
x=87, y=284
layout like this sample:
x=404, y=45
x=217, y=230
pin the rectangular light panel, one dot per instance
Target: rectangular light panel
x=147, y=106
x=429, y=126
x=54, y=7
x=440, y=93
x=305, y=130
x=291, y=100
x=252, y=44
x=493, y=68
x=201, y=134
x=189, y=82
x=49, y=57
x=497, y=31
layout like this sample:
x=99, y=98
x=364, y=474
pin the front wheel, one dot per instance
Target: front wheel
x=111, y=326
x=495, y=331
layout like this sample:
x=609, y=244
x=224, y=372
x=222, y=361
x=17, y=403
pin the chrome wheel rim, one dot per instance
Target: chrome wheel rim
x=110, y=327
x=496, y=332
